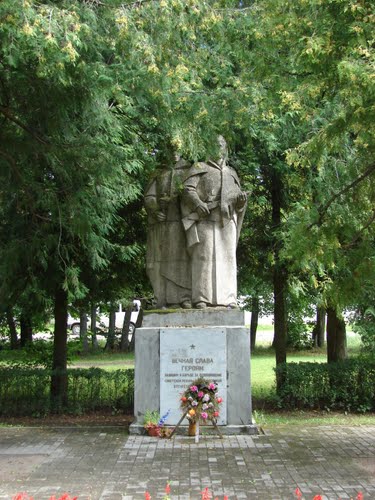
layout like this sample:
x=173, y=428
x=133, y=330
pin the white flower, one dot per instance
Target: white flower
x=194, y=403
x=206, y=397
x=204, y=406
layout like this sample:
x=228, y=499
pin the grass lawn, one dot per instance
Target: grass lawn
x=263, y=364
x=265, y=419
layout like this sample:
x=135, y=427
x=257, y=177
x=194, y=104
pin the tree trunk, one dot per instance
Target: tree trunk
x=132, y=342
x=321, y=320
x=59, y=380
x=279, y=277
x=124, y=344
x=336, y=336
x=254, y=321
x=12, y=329
x=111, y=330
x=83, y=331
x=319, y=328
x=26, y=329
x=280, y=317
x=94, y=338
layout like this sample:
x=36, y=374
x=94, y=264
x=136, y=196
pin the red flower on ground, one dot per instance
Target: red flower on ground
x=317, y=497
x=206, y=495
x=147, y=496
x=64, y=496
x=298, y=493
x=360, y=496
x=167, y=489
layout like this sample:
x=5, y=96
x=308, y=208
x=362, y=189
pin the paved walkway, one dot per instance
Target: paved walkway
x=106, y=464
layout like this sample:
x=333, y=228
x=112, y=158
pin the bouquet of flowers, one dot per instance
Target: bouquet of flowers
x=200, y=401
x=154, y=424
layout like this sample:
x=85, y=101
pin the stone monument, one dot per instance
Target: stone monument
x=195, y=216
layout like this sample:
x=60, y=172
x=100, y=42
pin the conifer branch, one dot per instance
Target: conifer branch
x=358, y=235
x=324, y=209
x=15, y=168
x=7, y=114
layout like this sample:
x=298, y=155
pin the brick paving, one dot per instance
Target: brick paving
x=106, y=464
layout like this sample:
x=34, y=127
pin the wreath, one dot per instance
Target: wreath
x=200, y=401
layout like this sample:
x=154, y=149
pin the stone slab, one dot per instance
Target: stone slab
x=185, y=355
x=209, y=430
x=194, y=317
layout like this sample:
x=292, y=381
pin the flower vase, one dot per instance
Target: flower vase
x=192, y=428
x=153, y=431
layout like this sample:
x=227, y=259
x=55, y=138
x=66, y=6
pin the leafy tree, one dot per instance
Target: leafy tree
x=67, y=151
x=330, y=229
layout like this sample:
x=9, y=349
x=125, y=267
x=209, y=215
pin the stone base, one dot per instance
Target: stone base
x=226, y=430
x=212, y=316
x=199, y=323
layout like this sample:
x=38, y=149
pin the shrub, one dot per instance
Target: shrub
x=26, y=391
x=347, y=385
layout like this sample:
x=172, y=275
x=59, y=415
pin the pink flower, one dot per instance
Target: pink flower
x=194, y=388
x=200, y=394
x=219, y=400
x=204, y=415
x=212, y=386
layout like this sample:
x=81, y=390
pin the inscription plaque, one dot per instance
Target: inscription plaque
x=185, y=355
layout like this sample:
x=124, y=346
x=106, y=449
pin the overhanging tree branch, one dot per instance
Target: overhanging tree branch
x=358, y=235
x=324, y=209
x=7, y=114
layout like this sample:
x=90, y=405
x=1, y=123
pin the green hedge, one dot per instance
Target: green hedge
x=347, y=385
x=26, y=391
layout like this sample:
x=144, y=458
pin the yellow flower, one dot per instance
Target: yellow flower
x=181, y=70
x=177, y=142
x=152, y=68
x=27, y=29
x=202, y=113
x=70, y=50
x=122, y=20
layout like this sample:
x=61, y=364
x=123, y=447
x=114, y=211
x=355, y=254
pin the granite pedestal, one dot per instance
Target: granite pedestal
x=175, y=347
